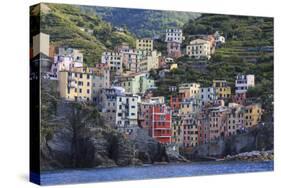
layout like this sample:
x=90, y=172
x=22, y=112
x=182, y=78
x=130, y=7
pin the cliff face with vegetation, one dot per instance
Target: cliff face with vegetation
x=74, y=135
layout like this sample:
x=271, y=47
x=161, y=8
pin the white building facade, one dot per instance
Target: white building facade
x=114, y=60
x=207, y=94
x=66, y=60
x=199, y=48
x=127, y=113
x=243, y=82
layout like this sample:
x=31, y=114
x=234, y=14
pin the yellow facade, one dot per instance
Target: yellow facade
x=222, y=88
x=189, y=90
x=173, y=66
x=144, y=44
x=76, y=85
x=185, y=108
x=252, y=115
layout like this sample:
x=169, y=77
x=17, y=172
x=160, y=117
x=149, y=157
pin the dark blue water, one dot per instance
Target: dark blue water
x=152, y=171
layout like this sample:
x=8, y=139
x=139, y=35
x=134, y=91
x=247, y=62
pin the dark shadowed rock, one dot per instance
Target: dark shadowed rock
x=260, y=138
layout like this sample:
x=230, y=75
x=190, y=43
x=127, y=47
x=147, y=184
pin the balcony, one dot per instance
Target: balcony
x=161, y=135
x=161, y=127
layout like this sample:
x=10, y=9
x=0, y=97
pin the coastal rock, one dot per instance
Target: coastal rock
x=252, y=156
x=256, y=139
x=148, y=150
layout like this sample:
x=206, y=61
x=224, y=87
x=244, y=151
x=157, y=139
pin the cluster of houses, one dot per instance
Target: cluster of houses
x=199, y=46
x=120, y=86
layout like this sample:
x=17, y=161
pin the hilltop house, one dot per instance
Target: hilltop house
x=113, y=60
x=243, y=82
x=144, y=44
x=199, y=48
x=174, y=39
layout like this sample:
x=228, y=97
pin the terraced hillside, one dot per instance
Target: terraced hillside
x=249, y=39
x=248, y=50
x=68, y=26
x=141, y=22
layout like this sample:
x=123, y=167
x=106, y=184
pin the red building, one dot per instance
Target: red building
x=161, y=127
x=157, y=119
x=175, y=102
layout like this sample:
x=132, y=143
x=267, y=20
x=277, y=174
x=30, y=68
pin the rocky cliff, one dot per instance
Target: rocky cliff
x=74, y=135
x=259, y=139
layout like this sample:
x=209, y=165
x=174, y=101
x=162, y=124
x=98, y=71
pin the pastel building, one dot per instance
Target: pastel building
x=174, y=35
x=218, y=122
x=243, y=82
x=113, y=60
x=101, y=80
x=66, y=59
x=188, y=106
x=144, y=115
x=175, y=102
x=207, y=94
x=199, y=48
x=148, y=60
x=108, y=104
x=219, y=39
x=222, y=89
x=189, y=90
x=136, y=83
x=203, y=127
x=174, y=39
x=190, y=130
x=177, y=130
x=153, y=60
x=127, y=113
x=235, y=119
x=144, y=44
x=129, y=59
x=76, y=85
x=252, y=115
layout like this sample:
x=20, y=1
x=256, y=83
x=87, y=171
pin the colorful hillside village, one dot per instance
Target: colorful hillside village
x=121, y=88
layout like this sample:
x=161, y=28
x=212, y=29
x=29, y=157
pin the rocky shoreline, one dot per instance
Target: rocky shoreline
x=252, y=156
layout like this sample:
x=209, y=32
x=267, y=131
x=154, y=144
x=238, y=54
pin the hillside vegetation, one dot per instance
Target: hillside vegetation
x=248, y=50
x=68, y=26
x=143, y=23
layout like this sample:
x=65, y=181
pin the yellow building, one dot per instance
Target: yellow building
x=188, y=106
x=173, y=66
x=76, y=85
x=189, y=90
x=177, y=130
x=222, y=88
x=252, y=115
x=144, y=44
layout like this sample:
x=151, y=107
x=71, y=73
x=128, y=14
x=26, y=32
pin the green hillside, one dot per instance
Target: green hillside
x=143, y=23
x=68, y=26
x=248, y=50
x=248, y=38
